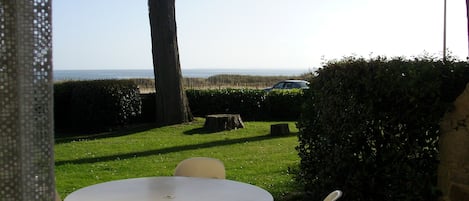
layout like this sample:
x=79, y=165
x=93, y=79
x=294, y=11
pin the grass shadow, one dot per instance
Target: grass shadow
x=116, y=133
x=196, y=131
x=202, y=131
x=168, y=150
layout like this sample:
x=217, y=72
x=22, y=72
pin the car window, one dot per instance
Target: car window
x=302, y=84
x=278, y=85
x=295, y=85
x=289, y=85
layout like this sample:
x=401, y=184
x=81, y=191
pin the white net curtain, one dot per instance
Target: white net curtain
x=26, y=116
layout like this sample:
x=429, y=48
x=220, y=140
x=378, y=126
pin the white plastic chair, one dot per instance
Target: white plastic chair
x=201, y=167
x=333, y=196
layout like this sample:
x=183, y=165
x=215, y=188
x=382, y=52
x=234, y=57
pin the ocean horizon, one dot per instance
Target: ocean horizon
x=60, y=75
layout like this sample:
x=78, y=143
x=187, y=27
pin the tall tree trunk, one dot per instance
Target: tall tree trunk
x=172, y=106
x=467, y=18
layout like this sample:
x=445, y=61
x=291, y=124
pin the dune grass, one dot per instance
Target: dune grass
x=250, y=155
x=222, y=81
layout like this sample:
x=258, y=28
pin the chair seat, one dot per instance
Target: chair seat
x=201, y=167
x=333, y=196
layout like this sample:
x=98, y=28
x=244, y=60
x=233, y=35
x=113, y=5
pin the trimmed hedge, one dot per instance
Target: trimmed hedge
x=284, y=104
x=246, y=102
x=251, y=104
x=96, y=105
x=148, y=108
x=99, y=105
x=371, y=128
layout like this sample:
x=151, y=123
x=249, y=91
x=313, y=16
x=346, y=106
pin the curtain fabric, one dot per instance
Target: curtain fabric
x=26, y=116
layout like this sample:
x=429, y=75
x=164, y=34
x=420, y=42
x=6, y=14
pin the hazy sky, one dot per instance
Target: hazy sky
x=262, y=34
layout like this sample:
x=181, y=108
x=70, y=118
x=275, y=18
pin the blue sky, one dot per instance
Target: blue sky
x=261, y=34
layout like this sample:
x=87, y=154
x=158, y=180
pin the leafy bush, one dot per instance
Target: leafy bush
x=148, y=108
x=96, y=105
x=62, y=104
x=251, y=104
x=284, y=104
x=246, y=102
x=371, y=127
x=102, y=104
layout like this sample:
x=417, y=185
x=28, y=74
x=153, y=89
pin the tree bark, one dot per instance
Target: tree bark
x=172, y=106
x=467, y=25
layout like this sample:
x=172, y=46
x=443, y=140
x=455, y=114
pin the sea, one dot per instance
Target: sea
x=60, y=75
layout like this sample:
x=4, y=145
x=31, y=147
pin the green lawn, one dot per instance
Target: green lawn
x=250, y=155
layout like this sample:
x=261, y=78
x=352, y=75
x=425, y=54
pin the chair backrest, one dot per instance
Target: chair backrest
x=333, y=196
x=201, y=167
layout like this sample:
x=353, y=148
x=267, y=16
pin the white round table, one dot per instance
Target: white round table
x=171, y=188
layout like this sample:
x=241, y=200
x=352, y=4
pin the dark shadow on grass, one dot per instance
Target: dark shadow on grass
x=195, y=131
x=118, y=132
x=202, y=131
x=167, y=150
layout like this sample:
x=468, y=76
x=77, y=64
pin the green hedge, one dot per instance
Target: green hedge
x=252, y=104
x=284, y=104
x=246, y=102
x=103, y=104
x=148, y=108
x=95, y=105
x=371, y=128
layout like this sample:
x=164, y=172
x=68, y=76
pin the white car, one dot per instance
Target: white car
x=289, y=84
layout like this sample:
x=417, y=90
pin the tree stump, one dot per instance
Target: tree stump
x=221, y=122
x=279, y=129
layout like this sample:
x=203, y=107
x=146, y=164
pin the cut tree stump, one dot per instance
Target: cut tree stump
x=221, y=122
x=279, y=129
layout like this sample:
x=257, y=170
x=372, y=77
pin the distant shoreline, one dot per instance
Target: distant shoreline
x=187, y=73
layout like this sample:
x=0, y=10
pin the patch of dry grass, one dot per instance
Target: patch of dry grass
x=222, y=81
